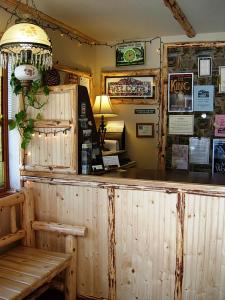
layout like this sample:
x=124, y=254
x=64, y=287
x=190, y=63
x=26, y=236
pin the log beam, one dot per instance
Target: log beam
x=23, y=8
x=180, y=17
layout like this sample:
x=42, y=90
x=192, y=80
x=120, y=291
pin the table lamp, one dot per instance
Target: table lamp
x=102, y=108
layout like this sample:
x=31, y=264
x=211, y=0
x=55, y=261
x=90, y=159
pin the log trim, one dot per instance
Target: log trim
x=180, y=17
x=111, y=244
x=44, y=17
x=180, y=215
x=162, y=151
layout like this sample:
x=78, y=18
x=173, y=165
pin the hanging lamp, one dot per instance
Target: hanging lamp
x=26, y=43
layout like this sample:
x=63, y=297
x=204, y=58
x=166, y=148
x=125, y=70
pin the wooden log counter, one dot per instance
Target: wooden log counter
x=150, y=237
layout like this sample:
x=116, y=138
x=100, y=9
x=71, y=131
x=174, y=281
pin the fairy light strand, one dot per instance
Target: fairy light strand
x=71, y=36
x=54, y=132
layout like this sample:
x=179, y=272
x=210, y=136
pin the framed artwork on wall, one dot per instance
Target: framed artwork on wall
x=144, y=130
x=131, y=87
x=204, y=66
x=130, y=54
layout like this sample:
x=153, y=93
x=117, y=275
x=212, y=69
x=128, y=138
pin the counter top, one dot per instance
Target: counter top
x=169, y=175
x=171, y=181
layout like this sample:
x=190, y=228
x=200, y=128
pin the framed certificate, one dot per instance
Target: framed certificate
x=204, y=66
x=222, y=79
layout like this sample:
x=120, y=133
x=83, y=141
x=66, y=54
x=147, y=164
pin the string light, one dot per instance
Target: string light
x=72, y=36
x=40, y=133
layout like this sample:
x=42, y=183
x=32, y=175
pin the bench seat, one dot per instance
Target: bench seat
x=25, y=269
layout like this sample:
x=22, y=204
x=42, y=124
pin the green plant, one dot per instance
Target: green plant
x=23, y=121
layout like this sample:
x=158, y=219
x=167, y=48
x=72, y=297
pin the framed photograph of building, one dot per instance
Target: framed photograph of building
x=132, y=87
x=180, y=92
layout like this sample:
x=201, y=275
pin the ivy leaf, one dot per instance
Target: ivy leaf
x=12, y=124
x=15, y=84
x=39, y=117
x=20, y=118
x=25, y=143
x=46, y=90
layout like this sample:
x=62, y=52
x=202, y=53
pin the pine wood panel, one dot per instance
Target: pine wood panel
x=77, y=205
x=54, y=151
x=145, y=245
x=21, y=275
x=204, y=260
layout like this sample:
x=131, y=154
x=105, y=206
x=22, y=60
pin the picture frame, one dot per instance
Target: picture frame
x=144, y=130
x=204, y=66
x=221, y=79
x=180, y=92
x=128, y=54
x=131, y=87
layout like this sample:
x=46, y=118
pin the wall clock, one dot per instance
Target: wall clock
x=130, y=54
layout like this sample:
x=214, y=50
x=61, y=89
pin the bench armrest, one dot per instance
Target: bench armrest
x=60, y=228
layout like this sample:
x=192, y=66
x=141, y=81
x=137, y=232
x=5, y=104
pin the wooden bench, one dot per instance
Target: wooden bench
x=26, y=271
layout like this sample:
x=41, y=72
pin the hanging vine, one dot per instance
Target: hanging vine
x=23, y=122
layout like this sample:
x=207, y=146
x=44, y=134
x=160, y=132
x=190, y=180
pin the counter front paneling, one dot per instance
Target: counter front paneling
x=148, y=237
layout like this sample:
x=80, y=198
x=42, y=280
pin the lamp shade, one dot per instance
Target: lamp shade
x=26, y=43
x=103, y=107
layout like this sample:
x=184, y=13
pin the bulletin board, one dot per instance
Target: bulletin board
x=193, y=110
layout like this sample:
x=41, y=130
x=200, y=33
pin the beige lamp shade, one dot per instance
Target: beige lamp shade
x=26, y=43
x=103, y=107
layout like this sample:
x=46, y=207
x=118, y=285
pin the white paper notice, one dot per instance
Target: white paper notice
x=199, y=150
x=111, y=160
x=181, y=125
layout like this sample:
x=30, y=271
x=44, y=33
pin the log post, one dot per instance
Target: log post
x=28, y=217
x=71, y=278
x=13, y=224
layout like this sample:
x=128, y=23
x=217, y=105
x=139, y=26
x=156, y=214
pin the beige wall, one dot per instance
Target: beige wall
x=142, y=150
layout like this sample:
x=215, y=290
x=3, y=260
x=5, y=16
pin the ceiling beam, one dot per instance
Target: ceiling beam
x=23, y=8
x=180, y=17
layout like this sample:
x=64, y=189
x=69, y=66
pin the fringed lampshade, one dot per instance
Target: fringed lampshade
x=26, y=43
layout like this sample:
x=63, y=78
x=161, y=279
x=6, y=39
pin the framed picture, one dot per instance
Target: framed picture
x=204, y=66
x=145, y=130
x=130, y=54
x=180, y=92
x=222, y=79
x=131, y=87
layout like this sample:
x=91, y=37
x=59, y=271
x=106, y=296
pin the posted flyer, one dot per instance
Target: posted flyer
x=180, y=92
x=180, y=157
x=218, y=161
x=199, y=150
x=203, y=97
x=181, y=124
x=220, y=125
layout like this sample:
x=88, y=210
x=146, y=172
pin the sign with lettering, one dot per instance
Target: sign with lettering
x=144, y=111
x=218, y=161
x=180, y=92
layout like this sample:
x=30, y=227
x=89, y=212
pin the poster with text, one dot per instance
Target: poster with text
x=180, y=157
x=180, y=92
x=218, y=161
x=220, y=125
x=199, y=150
x=203, y=97
x=181, y=124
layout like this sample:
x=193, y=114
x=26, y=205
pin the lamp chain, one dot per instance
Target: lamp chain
x=13, y=13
